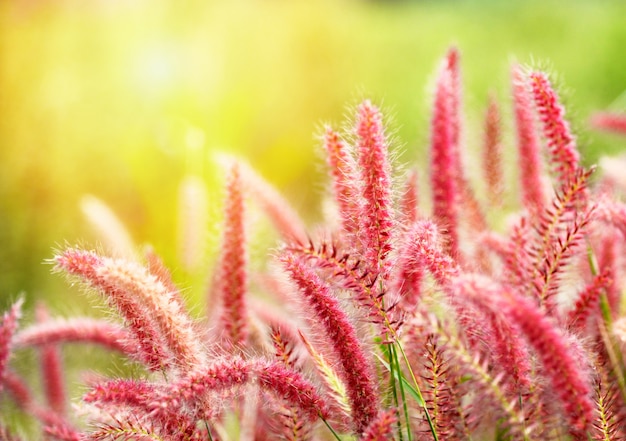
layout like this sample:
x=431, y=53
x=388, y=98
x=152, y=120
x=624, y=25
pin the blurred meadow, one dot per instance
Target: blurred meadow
x=121, y=100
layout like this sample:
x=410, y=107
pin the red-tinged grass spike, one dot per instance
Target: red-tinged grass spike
x=86, y=265
x=529, y=151
x=561, y=143
x=559, y=255
x=423, y=251
x=352, y=274
x=609, y=121
x=120, y=393
x=291, y=386
x=588, y=300
x=191, y=390
x=8, y=326
x=283, y=347
x=51, y=360
x=375, y=213
x=488, y=380
x=344, y=175
x=492, y=153
x=570, y=383
x=453, y=66
x=381, y=428
x=443, y=167
x=278, y=210
x=156, y=320
x=356, y=371
x=232, y=280
x=439, y=393
x=409, y=202
x=560, y=228
x=77, y=330
x=24, y=399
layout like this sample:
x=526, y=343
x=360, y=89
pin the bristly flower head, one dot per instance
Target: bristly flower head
x=393, y=325
x=561, y=142
x=375, y=215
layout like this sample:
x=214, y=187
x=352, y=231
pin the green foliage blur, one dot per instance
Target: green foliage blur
x=123, y=99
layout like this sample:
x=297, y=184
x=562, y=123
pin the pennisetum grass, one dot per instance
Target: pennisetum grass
x=386, y=322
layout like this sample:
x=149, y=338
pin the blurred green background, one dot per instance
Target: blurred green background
x=122, y=99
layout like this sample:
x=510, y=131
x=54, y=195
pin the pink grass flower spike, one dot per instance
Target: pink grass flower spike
x=529, y=152
x=232, y=278
x=443, y=166
x=561, y=143
x=376, y=215
x=356, y=370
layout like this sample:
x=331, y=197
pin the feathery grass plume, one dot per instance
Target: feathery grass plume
x=466, y=197
x=443, y=167
x=561, y=143
x=492, y=152
x=51, y=362
x=559, y=230
x=529, y=151
x=342, y=169
x=424, y=250
x=570, y=383
x=488, y=381
x=609, y=121
x=439, y=398
x=232, y=278
x=278, y=210
x=336, y=388
x=8, y=327
x=375, y=217
x=609, y=424
x=352, y=274
x=144, y=302
x=292, y=387
x=24, y=399
x=381, y=428
x=295, y=427
x=356, y=370
x=119, y=395
x=588, y=300
x=78, y=329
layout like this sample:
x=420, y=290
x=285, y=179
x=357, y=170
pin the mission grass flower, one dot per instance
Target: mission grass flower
x=461, y=355
x=570, y=383
x=375, y=212
x=8, y=326
x=610, y=121
x=51, y=369
x=232, y=280
x=342, y=169
x=492, y=153
x=443, y=167
x=529, y=152
x=144, y=302
x=561, y=143
x=356, y=370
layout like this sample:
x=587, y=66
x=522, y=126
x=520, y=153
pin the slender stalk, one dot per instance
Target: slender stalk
x=330, y=428
x=394, y=370
x=433, y=430
x=405, y=407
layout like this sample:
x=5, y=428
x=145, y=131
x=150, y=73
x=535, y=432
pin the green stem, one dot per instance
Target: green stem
x=405, y=407
x=433, y=431
x=330, y=428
